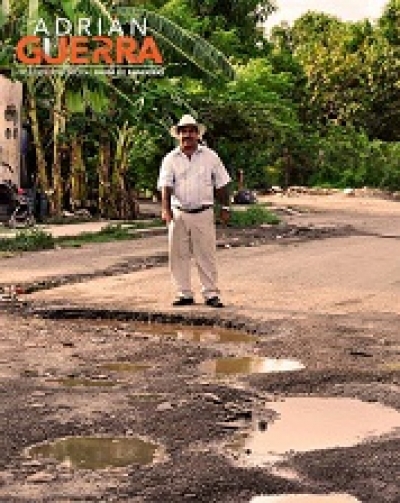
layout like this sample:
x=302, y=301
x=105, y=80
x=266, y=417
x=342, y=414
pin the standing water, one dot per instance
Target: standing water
x=306, y=498
x=309, y=423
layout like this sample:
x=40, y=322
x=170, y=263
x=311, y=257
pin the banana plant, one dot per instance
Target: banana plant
x=72, y=94
x=124, y=139
x=195, y=49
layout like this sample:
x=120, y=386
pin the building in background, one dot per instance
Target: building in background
x=15, y=205
x=10, y=131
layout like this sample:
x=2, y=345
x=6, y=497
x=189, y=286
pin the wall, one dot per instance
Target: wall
x=10, y=130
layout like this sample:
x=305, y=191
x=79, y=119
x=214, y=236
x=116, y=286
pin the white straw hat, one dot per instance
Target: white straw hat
x=187, y=120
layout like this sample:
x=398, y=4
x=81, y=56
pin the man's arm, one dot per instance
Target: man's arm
x=222, y=197
x=165, y=185
x=166, y=211
x=221, y=181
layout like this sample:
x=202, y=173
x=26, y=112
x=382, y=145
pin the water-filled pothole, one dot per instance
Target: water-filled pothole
x=95, y=453
x=214, y=335
x=391, y=366
x=72, y=382
x=125, y=367
x=305, y=498
x=309, y=423
x=249, y=365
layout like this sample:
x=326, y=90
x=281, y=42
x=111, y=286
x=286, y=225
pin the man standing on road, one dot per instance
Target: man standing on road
x=189, y=177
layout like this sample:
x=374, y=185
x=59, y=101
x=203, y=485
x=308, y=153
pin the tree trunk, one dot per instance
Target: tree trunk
x=115, y=195
x=58, y=128
x=78, y=174
x=104, y=176
x=42, y=179
x=122, y=204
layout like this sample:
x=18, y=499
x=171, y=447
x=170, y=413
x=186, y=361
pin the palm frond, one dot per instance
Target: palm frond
x=74, y=102
x=70, y=7
x=33, y=14
x=3, y=18
x=201, y=53
x=134, y=104
x=197, y=50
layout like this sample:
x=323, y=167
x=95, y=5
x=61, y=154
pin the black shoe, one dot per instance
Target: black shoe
x=183, y=301
x=214, y=302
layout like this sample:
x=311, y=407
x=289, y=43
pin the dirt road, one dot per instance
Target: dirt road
x=317, y=303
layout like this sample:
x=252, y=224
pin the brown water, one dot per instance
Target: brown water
x=196, y=334
x=125, y=367
x=306, y=498
x=96, y=453
x=205, y=335
x=391, y=366
x=71, y=382
x=249, y=365
x=306, y=423
x=215, y=336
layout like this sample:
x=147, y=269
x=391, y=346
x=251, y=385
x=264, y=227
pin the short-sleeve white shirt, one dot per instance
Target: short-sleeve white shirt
x=192, y=180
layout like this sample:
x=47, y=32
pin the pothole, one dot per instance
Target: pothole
x=95, y=453
x=249, y=365
x=305, y=424
x=394, y=367
x=306, y=498
x=215, y=336
x=71, y=382
x=196, y=334
x=125, y=367
x=146, y=397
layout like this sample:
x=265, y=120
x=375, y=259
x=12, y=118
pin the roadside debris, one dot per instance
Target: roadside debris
x=9, y=293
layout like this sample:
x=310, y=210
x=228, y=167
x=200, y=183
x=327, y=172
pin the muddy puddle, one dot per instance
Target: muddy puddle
x=305, y=424
x=306, y=498
x=215, y=336
x=125, y=367
x=249, y=365
x=72, y=382
x=197, y=334
x=95, y=453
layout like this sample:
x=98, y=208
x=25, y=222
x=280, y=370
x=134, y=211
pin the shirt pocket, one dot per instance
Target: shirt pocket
x=206, y=177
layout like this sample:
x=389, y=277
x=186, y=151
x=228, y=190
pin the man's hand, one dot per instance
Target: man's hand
x=166, y=215
x=224, y=216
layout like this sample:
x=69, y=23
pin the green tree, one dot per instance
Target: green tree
x=351, y=72
x=234, y=27
x=251, y=120
x=389, y=22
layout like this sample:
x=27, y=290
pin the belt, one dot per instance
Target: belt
x=194, y=210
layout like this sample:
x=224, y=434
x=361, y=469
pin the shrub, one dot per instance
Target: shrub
x=111, y=232
x=252, y=216
x=28, y=240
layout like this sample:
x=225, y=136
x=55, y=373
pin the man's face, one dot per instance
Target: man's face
x=188, y=137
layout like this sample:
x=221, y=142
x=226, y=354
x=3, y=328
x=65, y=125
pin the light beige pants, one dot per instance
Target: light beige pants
x=193, y=233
